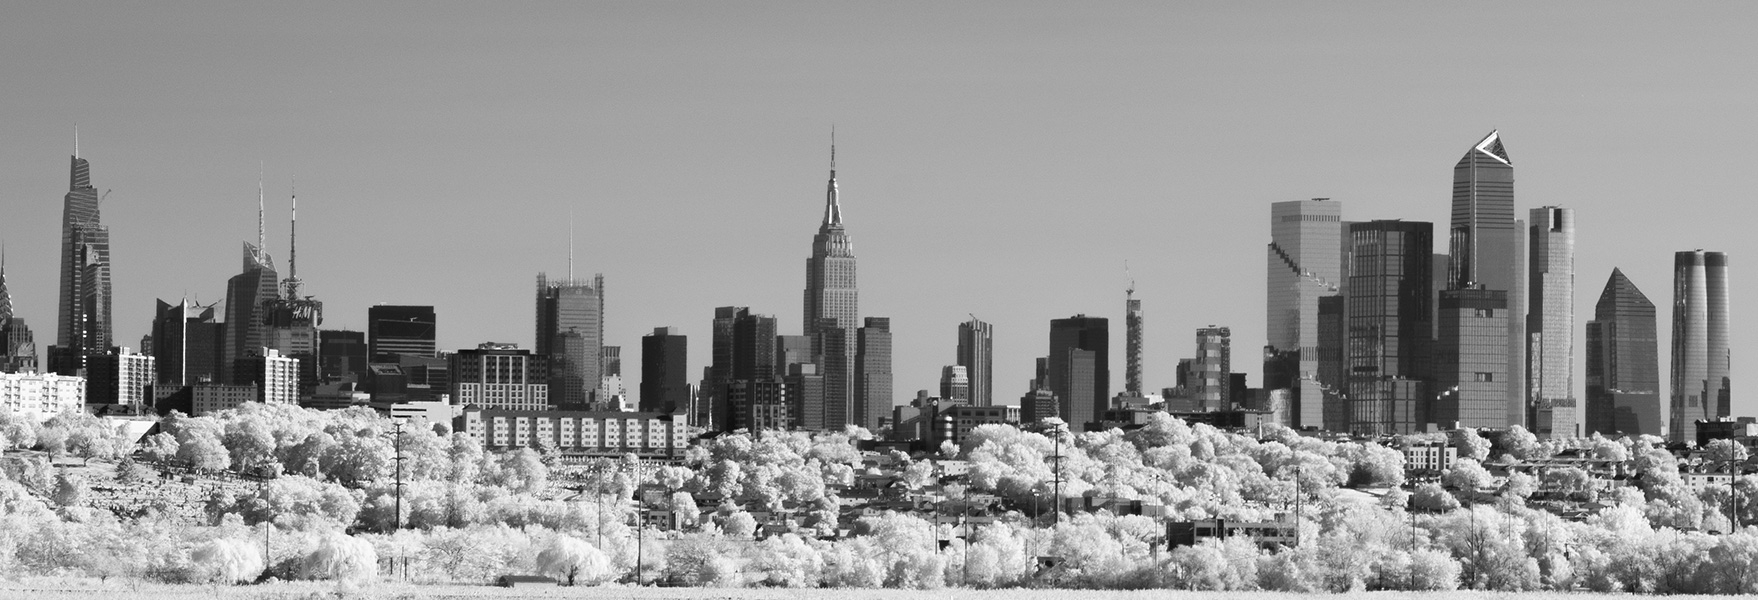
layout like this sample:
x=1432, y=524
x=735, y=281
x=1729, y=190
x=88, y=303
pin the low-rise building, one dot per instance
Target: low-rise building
x=578, y=433
x=1430, y=456
x=38, y=396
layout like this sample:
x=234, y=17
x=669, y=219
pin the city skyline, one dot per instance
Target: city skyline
x=909, y=207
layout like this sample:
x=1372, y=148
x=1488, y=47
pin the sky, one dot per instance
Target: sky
x=998, y=159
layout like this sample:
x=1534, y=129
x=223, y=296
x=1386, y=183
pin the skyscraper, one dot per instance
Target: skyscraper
x=344, y=353
x=1550, y=325
x=976, y=353
x=1213, y=368
x=573, y=309
x=665, y=371
x=1470, y=377
x=1700, y=360
x=1487, y=245
x=1133, y=325
x=955, y=384
x=831, y=301
x=400, y=329
x=18, y=348
x=500, y=376
x=1623, y=363
x=83, y=315
x=1388, y=317
x=291, y=321
x=1079, y=367
x=187, y=344
x=872, y=374
x=1304, y=265
x=246, y=296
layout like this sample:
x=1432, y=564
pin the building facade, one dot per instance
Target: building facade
x=275, y=376
x=38, y=396
x=1552, y=411
x=400, y=329
x=124, y=379
x=83, y=314
x=873, y=395
x=1213, y=368
x=247, y=295
x=665, y=385
x=570, y=331
x=955, y=385
x=1623, y=363
x=1700, y=361
x=1303, y=266
x=1471, y=377
x=578, y=434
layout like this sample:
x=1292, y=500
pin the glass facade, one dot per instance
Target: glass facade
x=1471, y=373
x=1388, y=316
x=1623, y=363
x=1550, y=325
x=1303, y=266
x=1700, y=388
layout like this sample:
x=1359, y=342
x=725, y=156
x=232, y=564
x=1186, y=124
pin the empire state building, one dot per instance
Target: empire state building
x=831, y=313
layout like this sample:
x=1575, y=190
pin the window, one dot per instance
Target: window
x=1485, y=377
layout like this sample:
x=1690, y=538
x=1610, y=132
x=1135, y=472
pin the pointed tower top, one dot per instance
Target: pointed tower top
x=832, y=204
x=261, y=238
x=5, y=295
x=76, y=140
x=1492, y=146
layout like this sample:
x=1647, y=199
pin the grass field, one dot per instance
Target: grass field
x=115, y=590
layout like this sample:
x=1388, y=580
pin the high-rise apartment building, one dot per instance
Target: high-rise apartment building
x=1552, y=411
x=500, y=376
x=276, y=377
x=1487, y=246
x=1213, y=368
x=123, y=378
x=35, y=397
x=1134, y=323
x=1303, y=266
x=570, y=331
x=1700, y=360
x=665, y=374
x=1079, y=368
x=1388, y=316
x=392, y=330
x=1623, y=363
x=976, y=353
x=187, y=344
x=873, y=400
x=805, y=393
x=83, y=315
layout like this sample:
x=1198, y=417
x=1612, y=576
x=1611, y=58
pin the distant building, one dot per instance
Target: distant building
x=976, y=353
x=1388, y=325
x=209, y=398
x=121, y=378
x=832, y=311
x=955, y=385
x=37, y=396
x=665, y=372
x=759, y=405
x=570, y=332
x=610, y=361
x=343, y=354
x=1623, y=363
x=1213, y=368
x=805, y=392
x=1700, y=362
x=500, y=377
x=247, y=294
x=1079, y=367
x=393, y=329
x=276, y=377
x=1303, y=267
x=873, y=400
x=83, y=313
x=18, y=348
x=1470, y=372
x=1552, y=411
x=187, y=344
x=1037, y=405
x=579, y=434
x=1485, y=243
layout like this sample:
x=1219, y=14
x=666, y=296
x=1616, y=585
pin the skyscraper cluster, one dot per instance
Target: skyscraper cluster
x=1371, y=330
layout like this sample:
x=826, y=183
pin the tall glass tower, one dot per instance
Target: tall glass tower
x=1700, y=341
x=1387, y=327
x=1304, y=265
x=1550, y=325
x=1623, y=363
x=976, y=342
x=83, y=314
x=1487, y=245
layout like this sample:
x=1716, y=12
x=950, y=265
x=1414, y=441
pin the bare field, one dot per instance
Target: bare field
x=114, y=590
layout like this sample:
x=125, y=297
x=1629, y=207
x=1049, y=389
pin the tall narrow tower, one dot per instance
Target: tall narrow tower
x=831, y=301
x=292, y=319
x=1700, y=358
x=1132, y=332
x=1552, y=411
x=1623, y=363
x=570, y=333
x=83, y=315
x=976, y=353
x=1487, y=244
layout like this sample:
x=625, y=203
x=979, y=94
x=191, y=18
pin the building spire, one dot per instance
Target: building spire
x=293, y=246
x=261, y=238
x=76, y=140
x=5, y=297
x=832, y=206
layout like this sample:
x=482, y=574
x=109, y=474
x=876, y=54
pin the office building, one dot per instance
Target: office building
x=976, y=353
x=500, y=376
x=665, y=373
x=1388, y=318
x=394, y=329
x=1333, y=366
x=123, y=378
x=1700, y=360
x=186, y=343
x=711, y=410
x=1552, y=410
x=955, y=385
x=18, y=347
x=570, y=331
x=83, y=313
x=1213, y=368
x=1487, y=247
x=759, y=405
x=1304, y=265
x=610, y=361
x=805, y=393
x=247, y=296
x=873, y=400
x=35, y=397
x=1470, y=376
x=831, y=302
x=1623, y=363
x=343, y=354
x=1079, y=368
